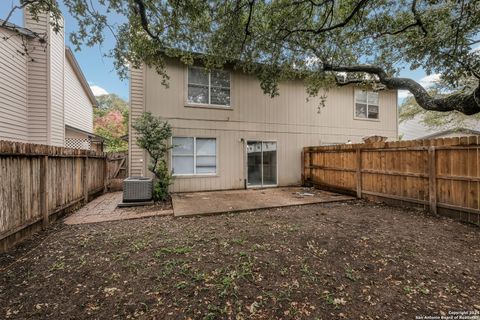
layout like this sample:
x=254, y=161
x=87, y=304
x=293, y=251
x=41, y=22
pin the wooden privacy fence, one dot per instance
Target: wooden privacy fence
x=443, y=174
x=38, y=182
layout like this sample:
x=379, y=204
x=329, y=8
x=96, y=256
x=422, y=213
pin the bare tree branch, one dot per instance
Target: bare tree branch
x=342, y=24
x=22, y=5
x=247, y=25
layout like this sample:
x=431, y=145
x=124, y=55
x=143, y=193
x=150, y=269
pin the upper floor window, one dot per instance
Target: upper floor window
x=366, y=104
x=210, y=88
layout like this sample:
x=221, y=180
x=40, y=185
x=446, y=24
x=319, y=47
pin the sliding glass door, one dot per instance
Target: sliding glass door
x=261, y=163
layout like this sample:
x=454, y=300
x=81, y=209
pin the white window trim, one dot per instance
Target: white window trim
x=195, y=174
x=355, y=107
x=209, y=104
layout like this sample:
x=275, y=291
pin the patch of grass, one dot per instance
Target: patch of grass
x=181, y=285
x=59, y=265
x=242, y=254
x=238, y=241
x=197, y=275
x=139, y=245
x=226, y=284
x=420, y=288
x=119, y=256
x=228, y=276
x=131, y=265
x=260, y=247
x=214, y=312
x=350, y=274
x=177, y=265
x=424, y=290
x=293, y=228
x=329, y=298
x=282, y=296
x=408, y=289
x=452, y=288
x=308, y=272
x=175, y=250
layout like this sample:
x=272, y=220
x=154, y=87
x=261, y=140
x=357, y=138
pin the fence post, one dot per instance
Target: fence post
x=303, y=166
x=85, y=179
x=359, y=173
x=44, y=190
x=106, y=178
x=310, y=166
x=432, y=180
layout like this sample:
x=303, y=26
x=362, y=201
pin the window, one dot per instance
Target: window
x=192, y=156
x=211, y=88
x=366, y=104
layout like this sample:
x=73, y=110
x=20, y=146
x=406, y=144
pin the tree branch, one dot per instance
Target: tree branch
x=142, y=12
x=342, y=24
x=22, y=5
x=247, y=25
x=417, y=18
x=465, y=102
x=341, y=83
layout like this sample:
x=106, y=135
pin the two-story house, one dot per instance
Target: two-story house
x=44, y=96
x=227, y=134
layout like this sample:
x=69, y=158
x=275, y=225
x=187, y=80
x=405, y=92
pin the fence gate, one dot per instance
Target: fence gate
x=117, y=164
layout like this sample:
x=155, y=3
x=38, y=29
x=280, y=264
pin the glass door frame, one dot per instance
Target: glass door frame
x=246, y=164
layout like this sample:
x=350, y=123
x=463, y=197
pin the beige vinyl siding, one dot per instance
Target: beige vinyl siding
x=290, y=119
x=137, y=107
x=78, y=107
x=57, y=67
x=13, y=88
x=38, y=84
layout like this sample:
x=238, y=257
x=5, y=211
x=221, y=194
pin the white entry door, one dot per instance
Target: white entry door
x=261, y=163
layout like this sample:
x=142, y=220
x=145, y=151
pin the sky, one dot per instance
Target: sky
x=103, y=78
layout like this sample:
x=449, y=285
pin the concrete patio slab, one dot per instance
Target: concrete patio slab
x=104, y=208
x=197, y=203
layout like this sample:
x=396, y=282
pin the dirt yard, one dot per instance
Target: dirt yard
x=331, y=261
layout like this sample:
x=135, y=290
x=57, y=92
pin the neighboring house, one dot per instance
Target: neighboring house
x=44, y=97
x=229, y=135
x=453, y=133
x=414, y=129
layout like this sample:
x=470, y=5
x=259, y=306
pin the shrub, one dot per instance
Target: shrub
x=154, y=134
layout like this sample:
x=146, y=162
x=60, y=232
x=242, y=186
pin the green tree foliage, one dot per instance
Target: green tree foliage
x=154, y=136
x=362, y=42
x=110, y=121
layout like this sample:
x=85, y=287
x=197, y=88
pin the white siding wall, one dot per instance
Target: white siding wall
x=57, y=63
x=40, y=92
x=38, y=85
x=78, y=107
x=13, y=88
